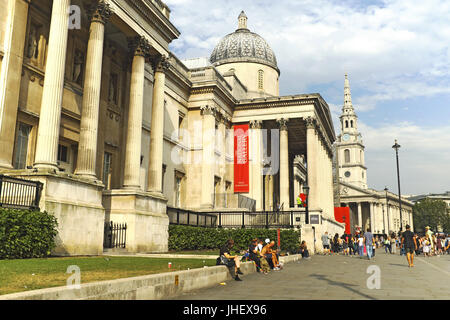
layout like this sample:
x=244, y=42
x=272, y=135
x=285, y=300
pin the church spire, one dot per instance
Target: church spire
x=242, y=20
x=348, y=117
x=348, y=106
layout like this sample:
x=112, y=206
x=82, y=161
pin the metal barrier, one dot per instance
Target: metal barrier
x=191, y=218
x=236, y=219
x=19, y=193
x=115, y=235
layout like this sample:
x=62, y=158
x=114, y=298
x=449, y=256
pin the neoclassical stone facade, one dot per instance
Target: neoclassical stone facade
x=118, y=128
x=369, y=208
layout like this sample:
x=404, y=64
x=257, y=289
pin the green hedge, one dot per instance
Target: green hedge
x=26, y=233
x=197, y=238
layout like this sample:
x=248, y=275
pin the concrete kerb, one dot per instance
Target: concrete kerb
x=150, y=287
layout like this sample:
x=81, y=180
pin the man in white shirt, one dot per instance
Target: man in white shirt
x=361, y=245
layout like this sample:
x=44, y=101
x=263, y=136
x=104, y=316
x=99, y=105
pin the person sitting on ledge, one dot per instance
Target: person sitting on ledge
x=303, y=250
x=253, y=254
x=271, y=255
x=230, y=261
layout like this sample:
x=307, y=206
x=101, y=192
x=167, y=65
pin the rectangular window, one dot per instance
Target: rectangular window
x=227, y=192
x=107, y=170
x=21, y=148
x=216, y=192
x=163, y=175
x=177, y=191
x=180, y=128
x=62, y=153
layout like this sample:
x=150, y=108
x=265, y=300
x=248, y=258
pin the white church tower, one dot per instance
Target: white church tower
x=349, y=145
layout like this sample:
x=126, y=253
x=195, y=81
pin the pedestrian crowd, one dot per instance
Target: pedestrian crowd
x=365, y=243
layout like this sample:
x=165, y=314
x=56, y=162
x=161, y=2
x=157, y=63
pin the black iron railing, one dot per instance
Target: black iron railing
x=19, y=193
x=236, y=219
x=115, y=235
x=191, y=218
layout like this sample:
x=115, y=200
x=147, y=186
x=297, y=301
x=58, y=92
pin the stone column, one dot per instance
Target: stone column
x=360, y=215
x=208, y=157
x=284, y=164
x=372, y=217
x=312, y=165
x=52, y=94
x=10, y=76
x=270, y=196
x=257, y=166
x=140, y=48
x=296, y=190
x=157, y=127
x=222, y=160
x=87, y=148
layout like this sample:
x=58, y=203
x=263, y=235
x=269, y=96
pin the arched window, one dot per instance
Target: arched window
x=347, y=155
x=346, y=123
x=260, y=79
x=351, y=123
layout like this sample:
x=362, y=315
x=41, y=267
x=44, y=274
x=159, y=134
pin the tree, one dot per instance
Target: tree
x=432, y=213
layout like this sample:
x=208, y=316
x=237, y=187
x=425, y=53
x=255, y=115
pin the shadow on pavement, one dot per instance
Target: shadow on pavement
x=343, y=285
x=398, y=265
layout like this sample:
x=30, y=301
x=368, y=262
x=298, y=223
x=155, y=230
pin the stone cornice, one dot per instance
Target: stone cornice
x=278, y=102
x=152, y=14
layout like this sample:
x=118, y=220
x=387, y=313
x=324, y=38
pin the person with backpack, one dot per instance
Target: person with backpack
x=225, y=258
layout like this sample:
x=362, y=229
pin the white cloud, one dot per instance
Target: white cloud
x=424, y=156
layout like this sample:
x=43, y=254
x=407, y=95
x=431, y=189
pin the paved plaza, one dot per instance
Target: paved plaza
x=340, y=277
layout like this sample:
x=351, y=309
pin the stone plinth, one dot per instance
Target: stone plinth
x=77, y=205
x=145, y=215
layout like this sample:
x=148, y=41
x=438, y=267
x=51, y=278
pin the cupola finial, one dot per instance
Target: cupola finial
x=242, y=20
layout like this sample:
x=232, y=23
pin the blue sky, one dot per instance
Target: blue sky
x=397, y=56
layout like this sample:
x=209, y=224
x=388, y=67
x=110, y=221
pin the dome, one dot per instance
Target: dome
x=243, y=46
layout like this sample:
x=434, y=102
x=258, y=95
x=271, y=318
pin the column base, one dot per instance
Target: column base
x=145, y=215
x=46, y=167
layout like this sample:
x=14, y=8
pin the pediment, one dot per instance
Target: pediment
x=348, y=190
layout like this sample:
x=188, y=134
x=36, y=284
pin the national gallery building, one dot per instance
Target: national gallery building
x=117, y=128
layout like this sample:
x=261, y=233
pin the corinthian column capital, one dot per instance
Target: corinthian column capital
x=282, y=123
x=311, y=122
x=255, y=124
x=139, y=46
x=208, y=110
x=99, y=12
x=161, y=64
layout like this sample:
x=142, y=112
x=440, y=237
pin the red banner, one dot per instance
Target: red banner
x=342, y=214
x=241, y=159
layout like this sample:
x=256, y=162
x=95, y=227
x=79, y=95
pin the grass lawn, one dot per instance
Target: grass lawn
x=31, y=274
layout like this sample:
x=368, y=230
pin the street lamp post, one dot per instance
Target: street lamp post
x=306, y=191
x=387, y=214
x=396, y=146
